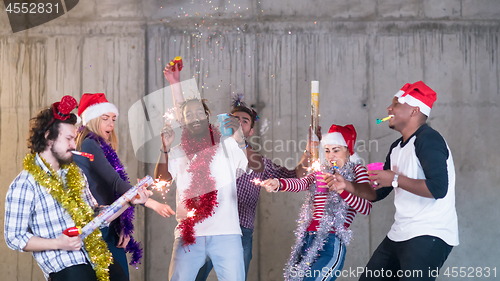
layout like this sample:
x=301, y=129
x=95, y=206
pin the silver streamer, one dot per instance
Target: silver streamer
x=333, y=218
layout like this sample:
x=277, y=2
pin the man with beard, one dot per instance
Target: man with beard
x=205, y=168
x=419, y=168
x=248, y=190
x=51, y=195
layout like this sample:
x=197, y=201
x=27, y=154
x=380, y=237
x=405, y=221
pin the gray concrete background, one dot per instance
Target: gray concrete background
x=362, y=52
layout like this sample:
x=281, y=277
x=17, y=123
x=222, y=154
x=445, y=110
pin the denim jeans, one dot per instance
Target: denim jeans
x=225, y=252
x=329, y=261
x=247, y=243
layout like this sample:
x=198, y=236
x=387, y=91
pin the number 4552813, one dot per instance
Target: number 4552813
x=476, y=272
x=32, y=8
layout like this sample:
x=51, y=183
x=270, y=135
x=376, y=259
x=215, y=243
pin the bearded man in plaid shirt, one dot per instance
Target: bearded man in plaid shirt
x=34, y=218
x=248, y=192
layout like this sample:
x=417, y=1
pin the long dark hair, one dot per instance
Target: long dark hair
x=44, y=121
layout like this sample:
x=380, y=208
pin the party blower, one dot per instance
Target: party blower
x=109, y=211
x=384, y=119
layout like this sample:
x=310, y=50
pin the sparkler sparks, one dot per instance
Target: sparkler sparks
x=159, y=185
x=191, y=213
x=256, y=181
x=315, y=166
x=169, y=115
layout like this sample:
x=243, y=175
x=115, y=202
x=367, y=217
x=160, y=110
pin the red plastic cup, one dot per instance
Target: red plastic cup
x=321, y=185
x=375, y=166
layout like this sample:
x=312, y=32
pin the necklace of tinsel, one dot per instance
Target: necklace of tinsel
x=125, y=224
x=71, y=200
x=200, y=151
x=333, y=219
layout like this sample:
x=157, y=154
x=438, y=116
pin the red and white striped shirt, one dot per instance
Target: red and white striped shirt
x=356, y=204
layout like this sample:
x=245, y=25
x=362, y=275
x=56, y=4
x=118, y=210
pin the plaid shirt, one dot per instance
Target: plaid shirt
x=31, y=211
x=248, y=192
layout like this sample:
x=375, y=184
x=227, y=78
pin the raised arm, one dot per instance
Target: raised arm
x=305, y=161
x=172, y=74
x=167, y=138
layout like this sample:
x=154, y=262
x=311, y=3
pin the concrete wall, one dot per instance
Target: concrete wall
x=362, y=52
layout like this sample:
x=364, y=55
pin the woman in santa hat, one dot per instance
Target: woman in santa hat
x=323, y=229
x=108, y=180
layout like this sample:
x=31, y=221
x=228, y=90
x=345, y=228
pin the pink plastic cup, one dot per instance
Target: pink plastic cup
x=375, y=166
x=321, y=185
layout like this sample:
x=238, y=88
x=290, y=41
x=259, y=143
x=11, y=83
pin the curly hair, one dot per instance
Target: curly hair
x=44, y=121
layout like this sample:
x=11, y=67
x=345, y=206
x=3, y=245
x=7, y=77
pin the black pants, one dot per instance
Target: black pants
x=80, y=272
x=85, y=272
x=419, y=258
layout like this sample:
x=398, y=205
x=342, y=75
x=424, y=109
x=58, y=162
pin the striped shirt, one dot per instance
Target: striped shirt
x=31, y=211
x=248, y=192
x=356, y=204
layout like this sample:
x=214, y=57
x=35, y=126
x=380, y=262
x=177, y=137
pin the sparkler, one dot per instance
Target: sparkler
x=315, y=166
x=169, y=115
x=256, y=181
x=191, y=213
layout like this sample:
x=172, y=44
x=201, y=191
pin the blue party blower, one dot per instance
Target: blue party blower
x=225, y=132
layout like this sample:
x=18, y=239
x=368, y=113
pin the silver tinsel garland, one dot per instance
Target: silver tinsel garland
x=333, y=218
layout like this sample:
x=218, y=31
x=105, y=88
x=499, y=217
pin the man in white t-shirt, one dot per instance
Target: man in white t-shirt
x=205, y=167
x=419, y=168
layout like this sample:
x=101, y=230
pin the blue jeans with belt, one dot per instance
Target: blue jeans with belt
x=225, y=251
x=247, y=243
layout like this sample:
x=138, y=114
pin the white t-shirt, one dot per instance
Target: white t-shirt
x=228, y=159
x=416, y=215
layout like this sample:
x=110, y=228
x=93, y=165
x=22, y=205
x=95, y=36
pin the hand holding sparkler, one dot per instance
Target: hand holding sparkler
x=271, y=185
x=163, y=210
x=167, y=136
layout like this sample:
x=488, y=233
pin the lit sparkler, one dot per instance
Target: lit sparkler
x=315, y=166
x=159, y=185
x=191, y=213
x=256, y=181
x=169, y=115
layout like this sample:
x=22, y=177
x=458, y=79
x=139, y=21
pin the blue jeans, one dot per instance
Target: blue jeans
x=247, y=243
x=225, y=251
x=329, y=262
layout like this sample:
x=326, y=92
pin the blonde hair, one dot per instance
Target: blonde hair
x=94, y=127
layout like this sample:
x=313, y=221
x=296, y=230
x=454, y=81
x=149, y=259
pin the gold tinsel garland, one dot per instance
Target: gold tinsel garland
x=72, y=201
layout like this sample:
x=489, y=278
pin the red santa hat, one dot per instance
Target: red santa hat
x=94, y=105
x=417, y=94
x=340, y=135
